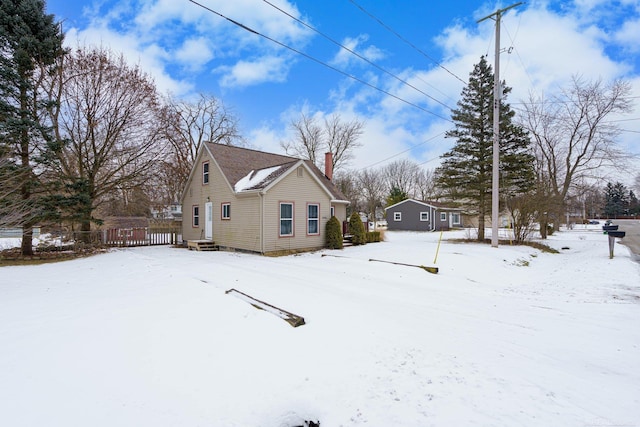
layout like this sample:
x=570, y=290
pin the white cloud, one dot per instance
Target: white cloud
x=150, y=58
x=157, y=34
x=194, y=53
x=260, y=70
x=346, y=58
x=629, y=35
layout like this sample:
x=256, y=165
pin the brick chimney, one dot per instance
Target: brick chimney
x=328, y=165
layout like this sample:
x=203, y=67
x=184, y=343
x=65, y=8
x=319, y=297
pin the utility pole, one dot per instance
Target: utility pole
x=497, y=95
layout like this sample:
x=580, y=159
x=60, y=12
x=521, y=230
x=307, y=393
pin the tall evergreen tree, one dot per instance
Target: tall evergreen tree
x=466, y=171
x=616, y=201
x=396, y=196
x=30, y=42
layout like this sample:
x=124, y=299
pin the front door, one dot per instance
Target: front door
x=208, y=222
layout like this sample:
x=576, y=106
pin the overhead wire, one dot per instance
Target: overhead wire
x=251, y=30
x=395, y=33
x=513, y=45
x=356, y=54
x=404, y=151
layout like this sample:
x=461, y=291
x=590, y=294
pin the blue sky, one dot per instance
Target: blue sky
x=189, y=50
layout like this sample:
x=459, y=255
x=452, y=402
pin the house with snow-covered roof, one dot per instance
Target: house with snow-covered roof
x=241, y=199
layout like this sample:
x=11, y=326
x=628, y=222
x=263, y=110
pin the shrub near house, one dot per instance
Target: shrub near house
x=334, y=234
x=356, y=229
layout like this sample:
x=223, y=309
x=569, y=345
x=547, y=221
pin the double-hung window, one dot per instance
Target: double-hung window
x=286, y=219
x=196, y=216
x=397, y=216
x=424, y=216
x=313, y=219
x=443, y=216
x=226, y=211
x=205, y=173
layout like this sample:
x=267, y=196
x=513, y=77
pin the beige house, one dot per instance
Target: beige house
x=249, y=200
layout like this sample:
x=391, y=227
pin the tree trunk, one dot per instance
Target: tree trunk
x=85, y=231
x=25, y=190
x=27, y=236
x=543, y=228
x=481, y=218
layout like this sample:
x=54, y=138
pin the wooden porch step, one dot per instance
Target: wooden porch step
x=202, y=245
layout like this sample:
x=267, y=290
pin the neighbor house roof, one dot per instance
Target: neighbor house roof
x=247, y=170
x=437, y=205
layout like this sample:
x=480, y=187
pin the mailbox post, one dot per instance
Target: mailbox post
x=612, y=239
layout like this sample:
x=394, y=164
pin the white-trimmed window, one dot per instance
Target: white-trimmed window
x=205, y=172
x=455, y=218
x=195, y=216
x=333, y=211
x=286, y=219
x=313, y=219
x=397, y=216
x=443, y=216
x=226, y=210
x=424, y=216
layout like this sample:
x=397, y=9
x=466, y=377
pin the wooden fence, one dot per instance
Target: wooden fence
x=140, y=236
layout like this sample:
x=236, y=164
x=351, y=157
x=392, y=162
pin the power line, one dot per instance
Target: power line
x=512, y=39
x=356, y=54
x=395, y=33
x=408, y=149
x=244, y=27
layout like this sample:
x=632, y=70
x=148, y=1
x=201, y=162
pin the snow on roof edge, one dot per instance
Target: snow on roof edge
x=254, y=178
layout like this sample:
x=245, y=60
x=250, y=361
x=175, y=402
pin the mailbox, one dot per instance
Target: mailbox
x=619, y=234
x=612, y=238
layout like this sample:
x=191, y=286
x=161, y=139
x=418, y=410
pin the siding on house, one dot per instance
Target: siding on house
x=254, y=222
x=411, y=218
x=242, y=229
x=339, y=211
x=300, y=190
x=196, y=195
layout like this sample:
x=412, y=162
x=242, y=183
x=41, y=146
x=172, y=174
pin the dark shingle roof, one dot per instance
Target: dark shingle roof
x=237, y=162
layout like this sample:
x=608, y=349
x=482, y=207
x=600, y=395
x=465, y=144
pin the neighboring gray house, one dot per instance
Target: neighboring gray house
x=416, y=215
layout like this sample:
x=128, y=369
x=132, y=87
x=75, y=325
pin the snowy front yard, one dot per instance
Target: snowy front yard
x=500, y=337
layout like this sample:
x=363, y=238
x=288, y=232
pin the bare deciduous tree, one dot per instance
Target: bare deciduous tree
x=186, y=125
x=308, y=139
x=373, y=189
x=311, y=139
x=572, y=139
x=348, y=183
x=425, y=185
x=402, y=175
x=523, y=210
x=14, y=210
x=108, y=113
x=342, y=138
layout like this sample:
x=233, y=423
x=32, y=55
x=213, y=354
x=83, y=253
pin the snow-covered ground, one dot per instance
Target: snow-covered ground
x=499, y=337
